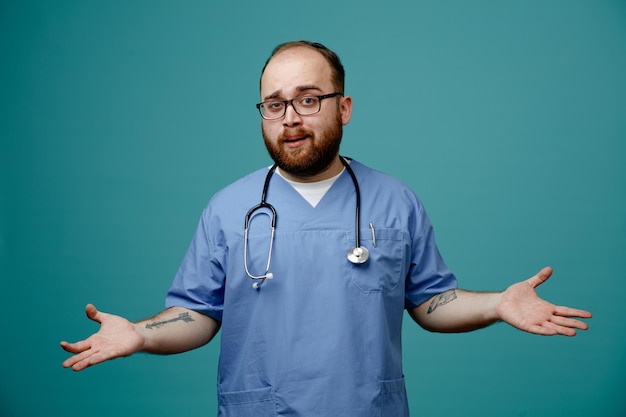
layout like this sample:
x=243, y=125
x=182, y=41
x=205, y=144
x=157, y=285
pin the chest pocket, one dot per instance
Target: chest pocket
x=384, y=269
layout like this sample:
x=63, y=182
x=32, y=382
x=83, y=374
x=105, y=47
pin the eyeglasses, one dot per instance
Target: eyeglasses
x=304, y=106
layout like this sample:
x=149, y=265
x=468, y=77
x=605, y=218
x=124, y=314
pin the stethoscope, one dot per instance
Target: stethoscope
x=357, y=254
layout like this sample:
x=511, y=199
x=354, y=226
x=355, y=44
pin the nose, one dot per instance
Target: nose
x=292, y=118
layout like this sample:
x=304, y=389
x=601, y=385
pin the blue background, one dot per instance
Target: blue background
x=119, y=120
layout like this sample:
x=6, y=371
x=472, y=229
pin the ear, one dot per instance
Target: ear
x=345, y=107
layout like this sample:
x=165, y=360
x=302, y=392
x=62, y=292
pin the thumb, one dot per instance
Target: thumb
x=541, y=277
x=92, y=313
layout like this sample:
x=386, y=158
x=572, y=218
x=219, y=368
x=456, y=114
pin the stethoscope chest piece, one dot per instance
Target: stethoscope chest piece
x=358, y=255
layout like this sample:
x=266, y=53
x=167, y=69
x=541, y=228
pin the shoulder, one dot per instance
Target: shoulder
x=249, y=184
x=366, y=173
x=383, y=184
x=237, y=197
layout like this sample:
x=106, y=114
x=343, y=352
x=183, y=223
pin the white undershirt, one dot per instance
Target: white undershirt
x=313, y=192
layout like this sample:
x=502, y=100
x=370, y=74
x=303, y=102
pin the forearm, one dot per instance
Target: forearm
x=176, y=330
x=457, y=311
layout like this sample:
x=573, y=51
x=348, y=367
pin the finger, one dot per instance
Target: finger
x=77, y=347
x=541, y=277
x=74, y=361
x=572, y=312
x=562, y=330
x=79, y=365
x=89, y=358
x=92, y=313
x=570, y=323
x=542, y=330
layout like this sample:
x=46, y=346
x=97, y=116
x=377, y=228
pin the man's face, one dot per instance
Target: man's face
x=306, y=147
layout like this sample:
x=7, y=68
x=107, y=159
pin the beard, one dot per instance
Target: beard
x=312, y=158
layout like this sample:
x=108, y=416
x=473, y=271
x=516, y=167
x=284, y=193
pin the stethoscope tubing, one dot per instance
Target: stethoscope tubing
x=357, y=190
x=356, y=254
x=262, y=204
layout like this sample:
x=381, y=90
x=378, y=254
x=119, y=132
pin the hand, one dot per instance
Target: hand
x=117, y=337
x=522, y=308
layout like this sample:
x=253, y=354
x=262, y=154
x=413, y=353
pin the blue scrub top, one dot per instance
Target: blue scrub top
x=323, y=337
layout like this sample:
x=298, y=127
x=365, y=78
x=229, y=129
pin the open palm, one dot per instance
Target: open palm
x=522, y=308
x=117, y=337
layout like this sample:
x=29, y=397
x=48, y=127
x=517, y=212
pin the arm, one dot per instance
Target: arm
x=519, y=306
x=174, y=330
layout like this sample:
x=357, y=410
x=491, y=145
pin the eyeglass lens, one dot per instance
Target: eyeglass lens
x=302, y=105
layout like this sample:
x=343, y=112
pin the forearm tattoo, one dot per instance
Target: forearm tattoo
x=182, y=316
x=441, y=299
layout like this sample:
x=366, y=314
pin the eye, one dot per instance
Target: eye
x=307, y=101
x=273, y=106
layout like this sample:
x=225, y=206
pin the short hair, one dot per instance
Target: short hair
x=338, y=74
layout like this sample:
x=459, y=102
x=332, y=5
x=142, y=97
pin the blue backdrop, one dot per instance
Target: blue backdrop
x=120, y=119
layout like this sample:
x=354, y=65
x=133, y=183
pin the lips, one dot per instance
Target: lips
x=294, y=140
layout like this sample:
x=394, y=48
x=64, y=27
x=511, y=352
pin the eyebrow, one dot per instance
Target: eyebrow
x=300, y=89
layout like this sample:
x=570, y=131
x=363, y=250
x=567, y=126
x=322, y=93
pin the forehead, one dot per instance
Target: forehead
x=294, y=69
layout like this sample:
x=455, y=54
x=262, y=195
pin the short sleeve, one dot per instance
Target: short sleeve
x=428, y=274
x=199, y=282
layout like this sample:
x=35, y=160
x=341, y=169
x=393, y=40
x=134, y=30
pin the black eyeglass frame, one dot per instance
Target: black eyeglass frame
x=290, y=102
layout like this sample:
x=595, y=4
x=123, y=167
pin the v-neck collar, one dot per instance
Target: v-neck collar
x=313, y=192
x=292, y=197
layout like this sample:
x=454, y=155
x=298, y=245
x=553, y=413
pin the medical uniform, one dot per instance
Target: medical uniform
x=323, y=337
